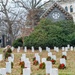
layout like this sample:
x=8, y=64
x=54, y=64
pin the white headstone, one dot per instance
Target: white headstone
x=10, y=59
x=27, y=64
x=71, y=48
x=38, y=59
x=18, y=49
x=32, y=49
x=54, y=57
x=40, y=49
x=50, y=54
x=25, y=49
x=12, y=55
x=57, y=49
x=22, y=59
x=54, y=71
x=36, y=54
x=46, y=48
x=1, y=57
x=12, y=48
x=66, y=48
x=26, y=71
x=64, y=53
x=74, y=48
x=63, y=48
x=63, y=61
x=48, y=67
x=24, y=55
x=8, y=67
x=44, y=60
x=54, y=48
x=2, y=71
x=26, y=59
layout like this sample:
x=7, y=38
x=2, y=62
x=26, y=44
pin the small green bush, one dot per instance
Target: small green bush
x=17, y=43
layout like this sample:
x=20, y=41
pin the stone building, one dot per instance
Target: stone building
x=68, y=5
x=56, y=13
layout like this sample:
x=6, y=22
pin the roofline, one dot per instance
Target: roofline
x=54, y=4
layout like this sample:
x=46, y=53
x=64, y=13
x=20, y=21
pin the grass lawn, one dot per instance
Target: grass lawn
x=70, y=68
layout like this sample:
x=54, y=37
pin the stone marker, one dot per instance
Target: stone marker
x=18, y=49
x=12, y=55
x=8, y=67
x=36, y=54
x=66, y=48
x=54, y=57
x=27, y=64
x=50, y=54
x=38, y=58
x=25, y=49
x=74, y=48
x=63, y=48
x=64, y=53
x=12, y=48
x=48, y=67
x=1, y=57
x=54, y=48
x=40, y=49
x=46, y=48
x=2, y=71
x=10, y=59
x=63, y=61
x=54, y=71
x=32, y=49
x=24, y=55
x=26, y=71
x=44, y=60
x=71, y=48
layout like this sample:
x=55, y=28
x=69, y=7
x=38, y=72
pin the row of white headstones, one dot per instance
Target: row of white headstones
x=48, y=49
x=27, y=71
x=49, y=69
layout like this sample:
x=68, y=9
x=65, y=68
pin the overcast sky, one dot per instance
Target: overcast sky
x=44, y=0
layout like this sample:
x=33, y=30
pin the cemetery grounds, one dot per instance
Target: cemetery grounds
x=70, y=62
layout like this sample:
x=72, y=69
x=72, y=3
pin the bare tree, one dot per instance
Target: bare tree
x=33, y=8
x=10, y=18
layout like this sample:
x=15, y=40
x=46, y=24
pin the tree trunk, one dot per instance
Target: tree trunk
x=11, y=39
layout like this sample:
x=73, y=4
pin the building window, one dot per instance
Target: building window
x=71, y=8
x=0, y=41
x=66, y=8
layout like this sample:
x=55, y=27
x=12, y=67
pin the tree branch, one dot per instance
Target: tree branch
x=21, y=4
x=37, y=3
x=43, y=4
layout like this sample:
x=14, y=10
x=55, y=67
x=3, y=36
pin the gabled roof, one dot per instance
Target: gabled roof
x=56, y=5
